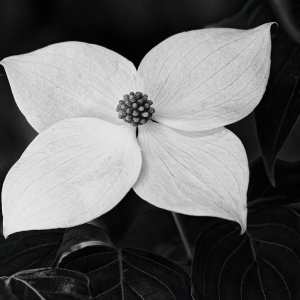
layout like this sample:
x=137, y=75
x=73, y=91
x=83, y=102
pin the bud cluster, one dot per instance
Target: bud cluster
x=135, y=108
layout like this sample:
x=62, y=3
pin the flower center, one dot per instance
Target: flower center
x=135, y=108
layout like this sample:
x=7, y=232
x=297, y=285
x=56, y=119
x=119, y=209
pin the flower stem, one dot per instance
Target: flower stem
x=183, y=236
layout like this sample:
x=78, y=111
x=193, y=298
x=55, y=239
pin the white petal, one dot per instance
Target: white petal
x=70, y=79
x=73, y=172
x=203, y=174
x=207, y=78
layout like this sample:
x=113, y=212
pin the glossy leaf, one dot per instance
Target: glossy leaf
x=263, y=264
x=26, y=250
x=129, y=274
x=47, y=284
x=88, y=249
x=82, y=236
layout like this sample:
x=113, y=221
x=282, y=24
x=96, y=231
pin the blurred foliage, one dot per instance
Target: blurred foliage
x=47, y=283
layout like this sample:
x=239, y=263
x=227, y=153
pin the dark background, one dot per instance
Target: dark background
x=129, y=27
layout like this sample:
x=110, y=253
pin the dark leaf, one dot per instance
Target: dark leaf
x=287, y=191
x=129, y=274
x=131, y=225
x=161, y=236
x=115, y=273
x=47, y=284
x=287, y=176
x=262, y=264
x=80, y=237
x=27, y=250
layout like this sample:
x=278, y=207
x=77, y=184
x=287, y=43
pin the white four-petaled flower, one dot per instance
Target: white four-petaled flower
x=85, y=159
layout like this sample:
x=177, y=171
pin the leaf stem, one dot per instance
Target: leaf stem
x=183, y=236
x=120, y=259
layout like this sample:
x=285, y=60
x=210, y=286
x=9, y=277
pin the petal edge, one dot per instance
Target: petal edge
x=203, y=174
x=68, y=175
x=67, y=80
x=207, y=78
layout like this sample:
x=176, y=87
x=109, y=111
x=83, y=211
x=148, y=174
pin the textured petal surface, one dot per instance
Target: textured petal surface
x=73, y=172
x=207, y=78
x=203, y=174
x=70, y=79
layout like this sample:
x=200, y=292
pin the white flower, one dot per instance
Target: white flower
x=85, y=159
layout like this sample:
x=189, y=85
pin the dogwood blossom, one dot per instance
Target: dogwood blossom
x=178, y=156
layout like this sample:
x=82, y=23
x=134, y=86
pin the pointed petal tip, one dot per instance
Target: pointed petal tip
x=273, y=23
x=243, y=220
x=224, y=76
x=209, y=176
x=265, y=30
x=5, y=61
x=266, y=26
x=7, y=231
x=243, y=228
